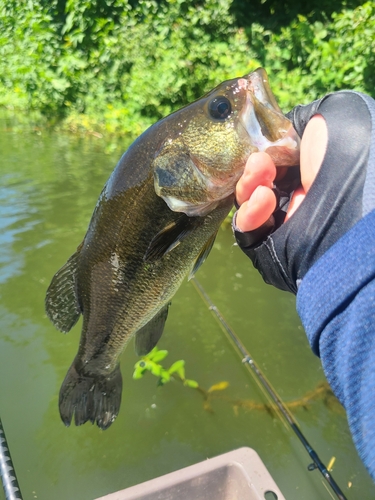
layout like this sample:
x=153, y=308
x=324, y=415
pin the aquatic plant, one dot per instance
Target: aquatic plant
x=152, y=363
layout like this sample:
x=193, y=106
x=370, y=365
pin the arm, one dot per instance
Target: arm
x=325, y=250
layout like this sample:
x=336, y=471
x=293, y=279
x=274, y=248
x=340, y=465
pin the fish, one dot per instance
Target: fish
x=154, y=224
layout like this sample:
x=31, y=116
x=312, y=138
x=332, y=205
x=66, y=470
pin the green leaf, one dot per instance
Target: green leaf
x=140, y=368
x=60, y=84
x=179, y=367
x=191, y=383
x=155, y=369
x=165, y=377
x=159, y=355
x=152, y=353
x=138, y=373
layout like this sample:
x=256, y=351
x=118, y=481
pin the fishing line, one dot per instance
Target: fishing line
x=248, y=360
x=7, y=472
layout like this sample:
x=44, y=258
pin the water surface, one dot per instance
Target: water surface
x=49, y=184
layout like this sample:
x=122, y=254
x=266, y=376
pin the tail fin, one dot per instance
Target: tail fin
x=90, y=397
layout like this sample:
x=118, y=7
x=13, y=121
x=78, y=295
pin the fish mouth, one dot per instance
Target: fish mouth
x=269, y=130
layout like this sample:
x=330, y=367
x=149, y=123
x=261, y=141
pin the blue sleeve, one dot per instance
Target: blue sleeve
x=336, y=303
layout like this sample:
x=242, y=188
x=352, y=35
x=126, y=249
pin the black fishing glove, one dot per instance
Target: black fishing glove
x=284, y=252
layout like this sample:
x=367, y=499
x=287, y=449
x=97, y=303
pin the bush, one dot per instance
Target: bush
x=119, y=65
x=307, y=60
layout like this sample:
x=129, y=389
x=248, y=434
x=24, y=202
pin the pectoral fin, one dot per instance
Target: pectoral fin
x=61, y=301
x=203, y=255
x=148, y=336
x=170, y=236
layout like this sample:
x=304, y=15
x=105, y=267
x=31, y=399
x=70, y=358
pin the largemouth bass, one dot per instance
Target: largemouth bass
x=154, y=223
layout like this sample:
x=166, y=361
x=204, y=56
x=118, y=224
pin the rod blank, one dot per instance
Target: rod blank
x=7, y=472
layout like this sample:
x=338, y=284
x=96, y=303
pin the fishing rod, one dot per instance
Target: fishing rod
x=7, y=472
x=247, y=359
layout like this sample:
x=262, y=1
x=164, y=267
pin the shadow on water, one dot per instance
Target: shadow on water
x=49, y=184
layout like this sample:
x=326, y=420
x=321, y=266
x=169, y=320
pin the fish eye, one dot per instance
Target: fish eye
x=220, y=108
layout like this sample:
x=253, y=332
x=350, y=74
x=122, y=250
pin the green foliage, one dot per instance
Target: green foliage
x=120, y=65
x=29, y=64
x=307, y=60
x=124, y=64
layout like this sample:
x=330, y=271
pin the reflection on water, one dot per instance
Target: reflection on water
x=49, y=184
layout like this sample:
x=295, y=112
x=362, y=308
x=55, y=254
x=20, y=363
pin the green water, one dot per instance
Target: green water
x=49, y=184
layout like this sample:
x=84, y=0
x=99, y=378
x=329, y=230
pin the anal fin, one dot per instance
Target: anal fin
x=148, y=336
x=61, y=301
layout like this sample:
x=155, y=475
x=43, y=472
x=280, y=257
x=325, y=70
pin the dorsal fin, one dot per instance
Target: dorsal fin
x=203, y=255
x=61, y=301
x=148, y=336
x=171, y=236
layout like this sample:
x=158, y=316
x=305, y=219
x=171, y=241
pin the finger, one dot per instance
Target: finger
x=313, y=149
x=257, y=210
x=296, y=200
x=259, y=170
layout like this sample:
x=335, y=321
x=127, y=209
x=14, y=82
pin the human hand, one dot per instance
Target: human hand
x=335, y=135
x=254, y=194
